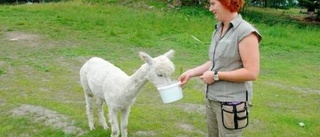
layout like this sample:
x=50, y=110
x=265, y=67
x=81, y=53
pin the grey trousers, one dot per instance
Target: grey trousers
x=214, y=121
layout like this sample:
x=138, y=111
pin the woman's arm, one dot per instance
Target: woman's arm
x=197, y=71
x=250, y=56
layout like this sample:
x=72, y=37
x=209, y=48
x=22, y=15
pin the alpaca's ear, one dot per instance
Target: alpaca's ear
x=146, y=58
x=169, y=54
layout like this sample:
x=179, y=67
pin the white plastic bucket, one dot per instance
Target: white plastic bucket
x=171, y=93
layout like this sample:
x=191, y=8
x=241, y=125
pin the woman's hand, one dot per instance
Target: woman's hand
x=197, y=71
x=207, y=77
x=184, y=78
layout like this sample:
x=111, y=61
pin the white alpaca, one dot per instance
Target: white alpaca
x=107, y=83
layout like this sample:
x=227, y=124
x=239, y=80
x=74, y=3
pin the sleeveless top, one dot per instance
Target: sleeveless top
x=225, y=56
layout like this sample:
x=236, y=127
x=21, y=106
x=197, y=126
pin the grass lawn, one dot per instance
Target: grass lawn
x=44, y=45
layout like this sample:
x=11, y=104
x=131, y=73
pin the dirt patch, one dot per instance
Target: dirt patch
x=22, y=38
x=145, y=133
x=49, y=117
x=2, y=102
x=194, y=108
x=188, y=128
x=16, y=36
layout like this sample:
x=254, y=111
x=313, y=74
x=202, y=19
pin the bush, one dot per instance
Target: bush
x=25, y=1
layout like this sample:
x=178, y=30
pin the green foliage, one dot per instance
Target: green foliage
x=277, y=4
x=43, y=69
x=272, y=17
x=27, y=1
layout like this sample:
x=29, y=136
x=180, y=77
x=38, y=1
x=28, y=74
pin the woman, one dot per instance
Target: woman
x=234, y=62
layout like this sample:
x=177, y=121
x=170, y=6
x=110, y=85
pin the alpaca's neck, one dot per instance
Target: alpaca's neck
x=137, y=81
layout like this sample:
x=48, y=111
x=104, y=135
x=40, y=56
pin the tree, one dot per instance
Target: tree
x=313, y=7
x=274, y=3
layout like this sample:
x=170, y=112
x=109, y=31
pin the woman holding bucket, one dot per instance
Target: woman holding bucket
x=234, y=61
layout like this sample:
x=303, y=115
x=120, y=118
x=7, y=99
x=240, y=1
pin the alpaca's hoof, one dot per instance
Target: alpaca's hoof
x=105, y=127
x=92, y=128
x=114, y=134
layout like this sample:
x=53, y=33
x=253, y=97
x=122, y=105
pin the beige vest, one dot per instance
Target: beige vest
x=224, y=52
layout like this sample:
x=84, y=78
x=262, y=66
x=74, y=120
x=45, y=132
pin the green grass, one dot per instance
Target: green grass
x=42, y=70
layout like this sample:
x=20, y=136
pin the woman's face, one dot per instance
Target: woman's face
x=218, y=9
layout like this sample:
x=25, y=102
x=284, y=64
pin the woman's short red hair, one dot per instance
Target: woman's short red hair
x=232, y=5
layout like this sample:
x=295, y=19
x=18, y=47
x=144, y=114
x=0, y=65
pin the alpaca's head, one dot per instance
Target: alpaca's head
x=159, y=68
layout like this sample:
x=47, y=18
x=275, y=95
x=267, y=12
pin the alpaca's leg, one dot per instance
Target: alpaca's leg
x=89, y=108
x=88, y=96
x=114, y=122
x=124, y=122
x=102, y=119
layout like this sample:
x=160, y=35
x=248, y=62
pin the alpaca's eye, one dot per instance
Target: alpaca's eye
x=160, y=75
